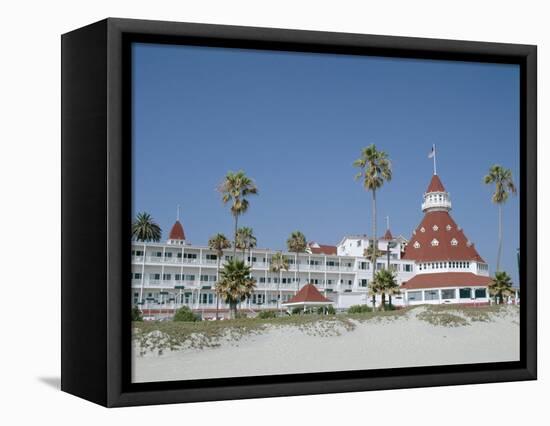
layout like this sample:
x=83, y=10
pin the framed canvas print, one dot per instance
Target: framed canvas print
x=254, y=212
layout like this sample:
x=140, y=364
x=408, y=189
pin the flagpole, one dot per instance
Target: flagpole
x=435, y=168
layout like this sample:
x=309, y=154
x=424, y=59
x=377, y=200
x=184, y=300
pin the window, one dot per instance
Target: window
x=416, y=245
x=136, y=275
x=448, y=294
x=422, y=229
x=435, y=227
x=454, y=242
x=465, y=293
x=262, y=279
x=364, y=283
x=166, y=277
x=190, y=255
x=414, y=295
x=435, y=242
x=190, y=277
x=180, y=255
x=448, y=227
x=211, y=257
x=178, y=277
x=168, y=254
x=358, y=243
x=154, y=276
x=158, y=254
x=431, y=295
x=480, y=293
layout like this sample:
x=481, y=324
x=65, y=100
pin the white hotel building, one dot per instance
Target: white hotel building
x=437, y=265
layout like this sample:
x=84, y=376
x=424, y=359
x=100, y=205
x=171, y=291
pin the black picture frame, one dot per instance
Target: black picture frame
x=96, y=200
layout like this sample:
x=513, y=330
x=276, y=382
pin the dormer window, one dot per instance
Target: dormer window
x=454, y=242
x=416, y=245
x=435, y=227
x=448, y=227
x=422, y=229
x=435, y=243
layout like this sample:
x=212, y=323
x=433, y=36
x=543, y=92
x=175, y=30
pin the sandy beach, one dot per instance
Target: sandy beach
x=401, y=341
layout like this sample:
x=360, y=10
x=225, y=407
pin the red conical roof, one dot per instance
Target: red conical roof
x=308, y=293
x=435, y=185
x=439, y=238
x=176, y=233
x=388, y=235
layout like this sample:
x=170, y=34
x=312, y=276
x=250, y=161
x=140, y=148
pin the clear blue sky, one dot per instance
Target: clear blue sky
x=295, y=122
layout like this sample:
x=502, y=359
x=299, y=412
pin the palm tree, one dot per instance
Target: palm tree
x=246, y=240
x=373, y=291
x=235, y=284
x=501, y=286
x=386, y=283
x=278, y=264
x=234, y=188
x=218, y=243
x=145, y=228
x=375, y=170
x=504, y=185
x=296, y=243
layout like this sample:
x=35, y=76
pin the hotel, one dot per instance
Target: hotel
x=437, y=264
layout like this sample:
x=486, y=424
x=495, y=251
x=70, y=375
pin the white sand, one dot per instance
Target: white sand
x=403, y=342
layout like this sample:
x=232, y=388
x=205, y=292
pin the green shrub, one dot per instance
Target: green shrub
x=185, y=314
x=359, y=309
x=136, y=314
x=267, y=314
x=297, y=311
x=388, y=307
x=240, y=315
x=328, y=310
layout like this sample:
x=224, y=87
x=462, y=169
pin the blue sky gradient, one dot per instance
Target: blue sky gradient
x=295, y=122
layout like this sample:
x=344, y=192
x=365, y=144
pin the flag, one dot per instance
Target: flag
x=432, y=152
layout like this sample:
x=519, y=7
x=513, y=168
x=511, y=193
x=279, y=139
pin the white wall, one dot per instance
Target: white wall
x=29, y=137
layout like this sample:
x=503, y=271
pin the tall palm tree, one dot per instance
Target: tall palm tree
x=246, y=240
x=218, y=243
x=375, y=171
x=504, y=185
x=501, y=286
x=145, y=228
x=385, y=283
x=235, y=284
x=234, y=188
x=296, y=243
x=279, y=263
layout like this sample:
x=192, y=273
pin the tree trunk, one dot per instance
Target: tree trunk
x=374, y=239
x=279, y=294
x=235, y=238
x=233, y=307
x=499, y=236
x=297, y=274
x=383, y=300
x=217, y=294
x=389, y=296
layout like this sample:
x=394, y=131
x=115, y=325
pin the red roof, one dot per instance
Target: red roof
x=322, y=249
x=446, y=279
x=439, y=238
x=176, y=233
x=436, y=185
x=388, y=236
x=308, y=293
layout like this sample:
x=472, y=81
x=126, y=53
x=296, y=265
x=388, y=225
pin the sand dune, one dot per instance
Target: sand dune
x=404, y=341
